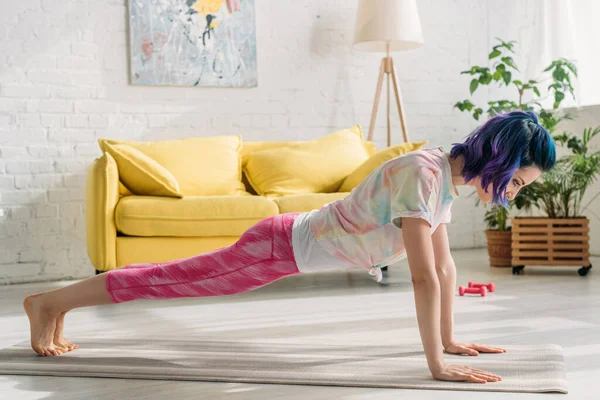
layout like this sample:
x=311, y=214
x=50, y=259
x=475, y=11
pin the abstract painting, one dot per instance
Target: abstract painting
x=193, y=42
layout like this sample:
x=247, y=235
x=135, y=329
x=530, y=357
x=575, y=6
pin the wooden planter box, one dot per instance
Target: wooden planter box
x=499, y=247
x=548, y=241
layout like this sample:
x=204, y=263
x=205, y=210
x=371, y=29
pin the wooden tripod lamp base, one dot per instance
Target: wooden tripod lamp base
x=387, y=69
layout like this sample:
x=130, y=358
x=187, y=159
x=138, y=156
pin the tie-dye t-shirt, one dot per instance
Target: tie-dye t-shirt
x=365, y=228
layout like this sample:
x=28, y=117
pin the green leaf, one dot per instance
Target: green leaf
x=501, y=67
x=497, y=75
x=485, y=79
x=464, y=105
x=527, y=107
x=506, y=76
x=494, y=54
x=466, y=72
x=477, y=113
x=510, y=62
x=558, y=98
x=517, y=82
x=561, y=138
x=474, y=84
x=536, y=91
x=558, y=74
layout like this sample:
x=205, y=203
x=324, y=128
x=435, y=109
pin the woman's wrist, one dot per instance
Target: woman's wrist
x=447, y=343
x=436, y=367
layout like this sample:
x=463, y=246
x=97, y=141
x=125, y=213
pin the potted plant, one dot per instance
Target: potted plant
x=561, y=237
x=499, y=230
x=498, y=235
x=527, y=98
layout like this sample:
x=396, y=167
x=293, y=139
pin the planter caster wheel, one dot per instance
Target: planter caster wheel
x=583, y=271
x=517, y=269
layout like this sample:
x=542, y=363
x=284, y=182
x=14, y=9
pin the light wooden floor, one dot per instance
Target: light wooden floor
x=546, y=305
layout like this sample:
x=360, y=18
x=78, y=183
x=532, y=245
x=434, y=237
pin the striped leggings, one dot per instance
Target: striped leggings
x=263, y=254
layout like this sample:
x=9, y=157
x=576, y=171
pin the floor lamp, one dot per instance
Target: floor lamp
x=384, y=26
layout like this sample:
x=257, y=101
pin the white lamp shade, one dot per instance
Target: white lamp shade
x=382, y=22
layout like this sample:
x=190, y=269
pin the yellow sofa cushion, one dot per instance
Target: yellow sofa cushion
x=360, y=173
x=306, y=202
x=193, y=216
x=316, y=166
x=202, y=166
x=370, y=147
x=141, y=174
x=123, y=191
x=252, y=147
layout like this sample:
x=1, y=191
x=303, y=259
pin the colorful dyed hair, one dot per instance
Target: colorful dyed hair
x=498, y=148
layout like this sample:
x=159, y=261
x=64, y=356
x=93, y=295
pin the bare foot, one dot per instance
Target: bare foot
x=42, y=323
x=59, y=339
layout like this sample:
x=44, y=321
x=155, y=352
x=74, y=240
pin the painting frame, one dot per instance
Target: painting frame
x=205, y=43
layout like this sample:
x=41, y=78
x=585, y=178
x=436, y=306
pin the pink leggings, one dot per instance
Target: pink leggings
x=263, y=254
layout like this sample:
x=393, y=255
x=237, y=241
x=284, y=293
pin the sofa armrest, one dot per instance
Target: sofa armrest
x=102, y=196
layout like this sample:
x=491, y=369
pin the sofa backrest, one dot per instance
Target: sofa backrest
x=244, y=150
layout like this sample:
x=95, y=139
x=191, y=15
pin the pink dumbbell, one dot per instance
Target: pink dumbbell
x=491, y=287
x=476, y=290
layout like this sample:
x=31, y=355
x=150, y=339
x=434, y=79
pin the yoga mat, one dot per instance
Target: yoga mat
x=532, y=369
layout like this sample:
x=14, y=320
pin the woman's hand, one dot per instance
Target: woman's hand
x=462, y=373
x=472, y=349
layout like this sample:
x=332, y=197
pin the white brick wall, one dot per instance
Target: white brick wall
x=64, y=84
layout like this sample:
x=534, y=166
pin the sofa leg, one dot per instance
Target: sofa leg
x=98, y=272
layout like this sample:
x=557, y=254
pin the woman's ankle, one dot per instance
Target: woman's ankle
x=51, y=303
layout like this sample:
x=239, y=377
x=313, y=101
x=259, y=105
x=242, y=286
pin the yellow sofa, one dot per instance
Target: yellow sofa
x=125, y=228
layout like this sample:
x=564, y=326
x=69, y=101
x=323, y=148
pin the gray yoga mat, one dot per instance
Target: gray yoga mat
x=533, y=369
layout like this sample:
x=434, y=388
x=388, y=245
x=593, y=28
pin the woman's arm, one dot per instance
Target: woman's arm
x=419, y=251
x=421, y=260
x=446, y=273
